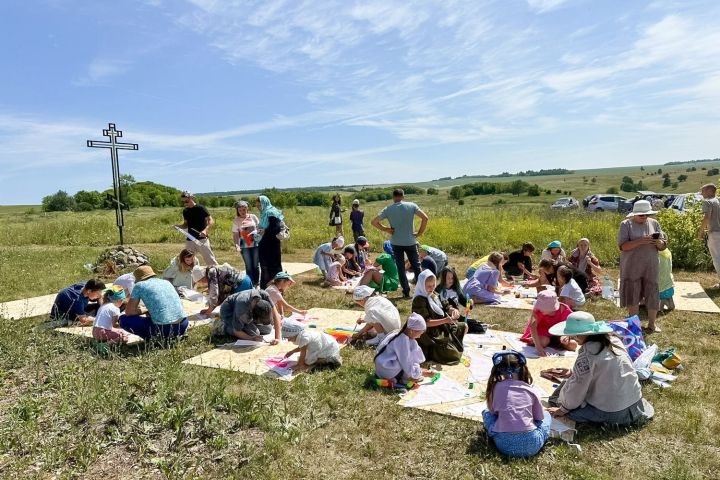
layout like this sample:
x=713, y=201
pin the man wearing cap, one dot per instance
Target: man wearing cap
x=164, y=316
x=249, y=315
x=401, y=216
x=197, y=221
x=380, y=316
x=439, y=257
x=711, y=224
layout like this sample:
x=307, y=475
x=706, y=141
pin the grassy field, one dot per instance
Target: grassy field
x=66, y=412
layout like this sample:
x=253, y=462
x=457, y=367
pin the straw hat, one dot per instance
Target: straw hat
x=580, y=323
x=641, y=207
x=143, y=273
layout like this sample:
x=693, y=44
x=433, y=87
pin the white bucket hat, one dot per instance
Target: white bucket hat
x=641, y=207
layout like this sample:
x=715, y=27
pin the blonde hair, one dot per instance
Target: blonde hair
x=180, y=260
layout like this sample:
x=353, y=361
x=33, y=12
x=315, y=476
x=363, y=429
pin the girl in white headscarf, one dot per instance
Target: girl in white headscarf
x=442, y=341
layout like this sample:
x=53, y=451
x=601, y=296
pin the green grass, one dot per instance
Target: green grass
x=67, y=412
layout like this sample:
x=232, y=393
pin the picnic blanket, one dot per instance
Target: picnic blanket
x=460, y=391
x=260, y=358
x=296, y=268
x=27, y=307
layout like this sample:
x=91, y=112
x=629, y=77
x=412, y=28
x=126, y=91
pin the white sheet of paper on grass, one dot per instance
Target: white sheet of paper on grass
x=254, y=343
x=444, y=390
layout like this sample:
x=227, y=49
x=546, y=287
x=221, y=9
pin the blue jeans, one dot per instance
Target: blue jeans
x=246, y=284
x=399, y=252
x=142, y=326
x=518, y=444
x=251, y=257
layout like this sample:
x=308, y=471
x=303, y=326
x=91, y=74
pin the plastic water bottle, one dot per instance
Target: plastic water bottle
x=608, y=291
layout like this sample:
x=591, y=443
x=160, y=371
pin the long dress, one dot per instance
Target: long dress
x=270, y=254
x=478, y=286
x=639, y=267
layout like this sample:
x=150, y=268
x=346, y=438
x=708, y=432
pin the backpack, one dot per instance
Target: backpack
x=284, y=232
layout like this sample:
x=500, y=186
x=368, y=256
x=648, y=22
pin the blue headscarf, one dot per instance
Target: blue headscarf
x=387, y=247
x=267, y=211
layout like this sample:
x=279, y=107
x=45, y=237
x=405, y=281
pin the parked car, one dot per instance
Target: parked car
x=564, y=203
x=684, y=202
x=586, y=201
x=651, y=197
x=605, y=203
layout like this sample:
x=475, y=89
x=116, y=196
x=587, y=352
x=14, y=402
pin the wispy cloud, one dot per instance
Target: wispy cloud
x=100, y=70
x=542, y=6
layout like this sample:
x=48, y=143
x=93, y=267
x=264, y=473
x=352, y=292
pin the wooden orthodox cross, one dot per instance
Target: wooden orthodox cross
x=114, y=146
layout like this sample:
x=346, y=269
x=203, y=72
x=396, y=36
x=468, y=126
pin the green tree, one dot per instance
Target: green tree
x=517, y=187
x=612, y=191
x=533, y=191
x=92, y=198
x=59, y=201
x=666, y=182
x=682, y=178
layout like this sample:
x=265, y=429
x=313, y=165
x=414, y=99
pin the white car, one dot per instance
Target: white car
x=605, y=203
x=565, y=203
x=683, y=203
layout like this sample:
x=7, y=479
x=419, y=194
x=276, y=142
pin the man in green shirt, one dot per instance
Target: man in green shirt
x=401, y=216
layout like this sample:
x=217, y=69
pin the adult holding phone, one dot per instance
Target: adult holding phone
x=640, y=238
x=197, y=222
x=401, y=216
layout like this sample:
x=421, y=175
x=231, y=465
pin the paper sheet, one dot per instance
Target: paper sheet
x=186, y=233
x=531, y=352
x=253, y=343
x=473, y=410
x=444, y=390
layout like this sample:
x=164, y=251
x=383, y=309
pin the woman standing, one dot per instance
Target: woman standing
x=271, y=220
x=640, y=238
x=245, y=233
x=335, y=216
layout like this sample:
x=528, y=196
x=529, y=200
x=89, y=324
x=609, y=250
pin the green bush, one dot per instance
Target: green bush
x=688, y=251
x=59, y=201
x=612, y=191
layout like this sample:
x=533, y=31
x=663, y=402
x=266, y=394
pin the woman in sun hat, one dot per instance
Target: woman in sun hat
x=640, y=238
x=554, y=251
x=604, y=387
x=164, y=316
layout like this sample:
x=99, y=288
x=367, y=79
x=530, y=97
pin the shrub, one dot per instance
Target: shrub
x=681, y=229
x=432, y=191
x=712, y=172
x=666, y=182
x=612, y=191
x=59, y=201
x=682, y=178
x=533, y=191
x=461, y=202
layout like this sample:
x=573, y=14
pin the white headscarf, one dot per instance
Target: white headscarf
x=420, y=291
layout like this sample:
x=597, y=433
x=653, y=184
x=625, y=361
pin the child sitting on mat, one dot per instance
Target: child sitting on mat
x=515, y=419
x=316, y=348
x=399, y=356
x=334, y=276
x=106, y=328
x=570, y=292
x=548, y=311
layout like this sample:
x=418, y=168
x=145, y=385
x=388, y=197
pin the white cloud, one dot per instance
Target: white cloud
x=101, y=69
x=542, y=6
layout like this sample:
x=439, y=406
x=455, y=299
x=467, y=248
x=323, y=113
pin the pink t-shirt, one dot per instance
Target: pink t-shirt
x=274, y=294
x=545, y=321
x=517, y=407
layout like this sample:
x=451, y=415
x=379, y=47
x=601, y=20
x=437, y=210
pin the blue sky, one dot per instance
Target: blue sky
x=230, y=95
